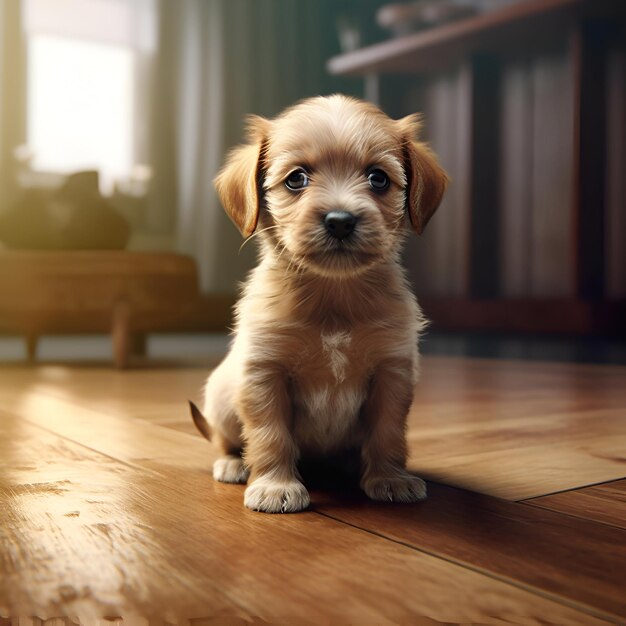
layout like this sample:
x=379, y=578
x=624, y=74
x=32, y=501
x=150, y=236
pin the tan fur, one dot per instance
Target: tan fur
x=324, y=355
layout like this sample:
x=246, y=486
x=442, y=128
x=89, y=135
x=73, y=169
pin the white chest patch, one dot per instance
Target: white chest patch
x=328, y=417
x=335, y=347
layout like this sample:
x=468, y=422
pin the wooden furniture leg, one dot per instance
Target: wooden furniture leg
x=120, y=334
x=31, y=347
x=139, y=344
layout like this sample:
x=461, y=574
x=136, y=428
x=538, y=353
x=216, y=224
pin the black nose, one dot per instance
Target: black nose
x=339, y=224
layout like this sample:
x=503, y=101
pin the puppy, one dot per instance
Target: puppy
x=324, y=356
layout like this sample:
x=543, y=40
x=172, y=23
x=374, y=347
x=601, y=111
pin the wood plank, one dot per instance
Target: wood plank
x=158, y=450
x=76, y=537
x=510, y=429
x=155, y=392
x=518, y=429
x=580, y=560
x=127, y=440
x=523, y=471
x=87, y=535
x=604, y=503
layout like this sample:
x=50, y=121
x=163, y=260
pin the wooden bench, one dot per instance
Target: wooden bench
x=125, y=293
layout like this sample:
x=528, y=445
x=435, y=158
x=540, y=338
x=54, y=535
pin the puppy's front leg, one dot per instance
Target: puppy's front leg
x=271, y=452
x=383, y=454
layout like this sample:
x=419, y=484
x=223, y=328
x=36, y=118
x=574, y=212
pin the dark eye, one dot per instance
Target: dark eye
x=297, y=180
x=378, y=180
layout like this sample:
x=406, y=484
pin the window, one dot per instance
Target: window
x=83, y=82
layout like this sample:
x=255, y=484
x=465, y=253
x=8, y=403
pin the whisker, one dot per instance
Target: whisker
x=254, y=234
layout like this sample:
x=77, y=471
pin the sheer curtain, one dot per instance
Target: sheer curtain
x=219, y=61
x=12, y=96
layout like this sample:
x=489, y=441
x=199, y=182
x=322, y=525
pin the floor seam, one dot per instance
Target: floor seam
x=578, y=517
x=554, y=493
x=563, y=600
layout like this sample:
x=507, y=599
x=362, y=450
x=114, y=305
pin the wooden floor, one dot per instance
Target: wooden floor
x=108, y=508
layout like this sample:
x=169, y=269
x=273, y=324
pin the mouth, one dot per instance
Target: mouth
x=340, y=259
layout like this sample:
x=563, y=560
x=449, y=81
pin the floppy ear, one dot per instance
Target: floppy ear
x=239, y=183
x=426, y=179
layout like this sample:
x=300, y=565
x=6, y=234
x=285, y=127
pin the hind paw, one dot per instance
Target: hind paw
x=230, y=469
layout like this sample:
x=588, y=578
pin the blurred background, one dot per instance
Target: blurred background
x=115, y=115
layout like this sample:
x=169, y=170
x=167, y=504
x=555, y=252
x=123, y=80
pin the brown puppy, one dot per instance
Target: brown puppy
x=324, y=356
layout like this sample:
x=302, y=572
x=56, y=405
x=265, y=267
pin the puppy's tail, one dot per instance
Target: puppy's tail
x=200, y=421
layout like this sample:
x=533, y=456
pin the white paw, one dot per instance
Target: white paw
x=230, y=469
x=398, y=487
x=274, y=496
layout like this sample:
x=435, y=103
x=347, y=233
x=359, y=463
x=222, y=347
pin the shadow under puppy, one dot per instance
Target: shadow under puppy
x=324, y=356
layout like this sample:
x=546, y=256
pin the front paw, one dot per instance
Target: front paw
x=274, y=496
x=230, y=469
x=397, y=487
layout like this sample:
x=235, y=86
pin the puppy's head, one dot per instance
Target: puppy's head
x=331, y=184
